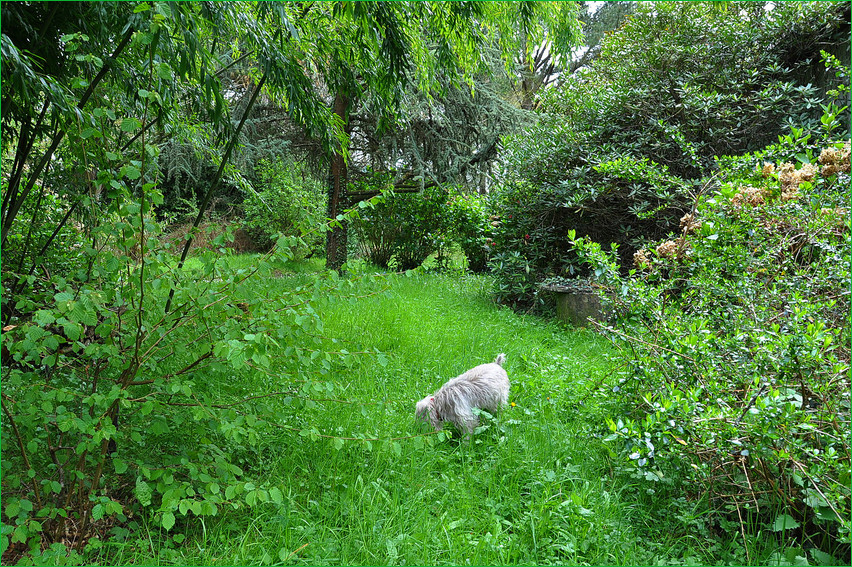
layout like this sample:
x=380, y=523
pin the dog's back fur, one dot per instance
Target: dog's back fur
x=485, y=387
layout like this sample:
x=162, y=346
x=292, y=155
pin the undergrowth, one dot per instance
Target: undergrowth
x=736, y=338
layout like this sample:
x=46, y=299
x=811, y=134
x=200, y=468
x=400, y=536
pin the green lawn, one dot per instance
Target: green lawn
x=534, y=487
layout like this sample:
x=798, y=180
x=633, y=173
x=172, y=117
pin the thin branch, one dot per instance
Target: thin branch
x=14, y=207
x=218, y=181
x=20, y=441
x=742, y=531
x=751, y=403
x=156, y=119
x=638, y=340
x=827, y=501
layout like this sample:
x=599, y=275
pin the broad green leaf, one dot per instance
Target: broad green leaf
x=168, y=520
x=131, y=172
x=130, y=124
x=823, y=558
x=143, y=492
x=13, y=507
x=72, y=330
x=784, y=522
x=164, y=71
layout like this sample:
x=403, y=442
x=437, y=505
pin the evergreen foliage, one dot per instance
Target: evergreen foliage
x=620, y=143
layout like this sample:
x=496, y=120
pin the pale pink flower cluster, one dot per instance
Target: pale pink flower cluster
x=689, y=224
x=750, y=196
x=834, y=160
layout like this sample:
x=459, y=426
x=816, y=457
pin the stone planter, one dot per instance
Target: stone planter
x=576, y=303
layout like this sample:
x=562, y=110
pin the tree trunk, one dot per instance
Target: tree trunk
x=336, y=238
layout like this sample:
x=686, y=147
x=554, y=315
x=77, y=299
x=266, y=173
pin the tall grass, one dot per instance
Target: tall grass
x=533, y=487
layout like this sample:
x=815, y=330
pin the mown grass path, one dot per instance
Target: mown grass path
x=530, y=489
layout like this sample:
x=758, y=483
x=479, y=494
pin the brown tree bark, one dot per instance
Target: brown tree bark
x=336, y=238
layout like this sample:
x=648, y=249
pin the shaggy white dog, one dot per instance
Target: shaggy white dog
x=485, y=387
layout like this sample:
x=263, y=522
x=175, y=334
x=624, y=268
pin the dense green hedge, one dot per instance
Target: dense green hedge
x=287, y=200
x=406, y=228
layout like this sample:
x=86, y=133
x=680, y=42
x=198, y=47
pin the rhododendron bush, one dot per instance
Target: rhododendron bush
x=620, y=145
x=736, y=329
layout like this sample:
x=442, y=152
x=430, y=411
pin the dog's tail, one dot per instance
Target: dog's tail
x=501, y=358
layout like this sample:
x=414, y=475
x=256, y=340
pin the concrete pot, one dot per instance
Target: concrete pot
x=575, y=304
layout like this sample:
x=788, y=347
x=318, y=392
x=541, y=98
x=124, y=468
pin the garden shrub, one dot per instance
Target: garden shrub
x=407, y=228
x=737, y=388
x=287, y=200
x=423, y=225
x=620, y=145
x=118, y=411
x=623, y=200
x=472, y=227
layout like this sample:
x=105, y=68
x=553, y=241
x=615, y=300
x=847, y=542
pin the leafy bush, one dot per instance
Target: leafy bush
x=664, y=88
x=624, y=201
x=117, y=408
x=738, y=381
x=407, y=228
x=621, y=143
x=472, y=227
x=288, y=200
